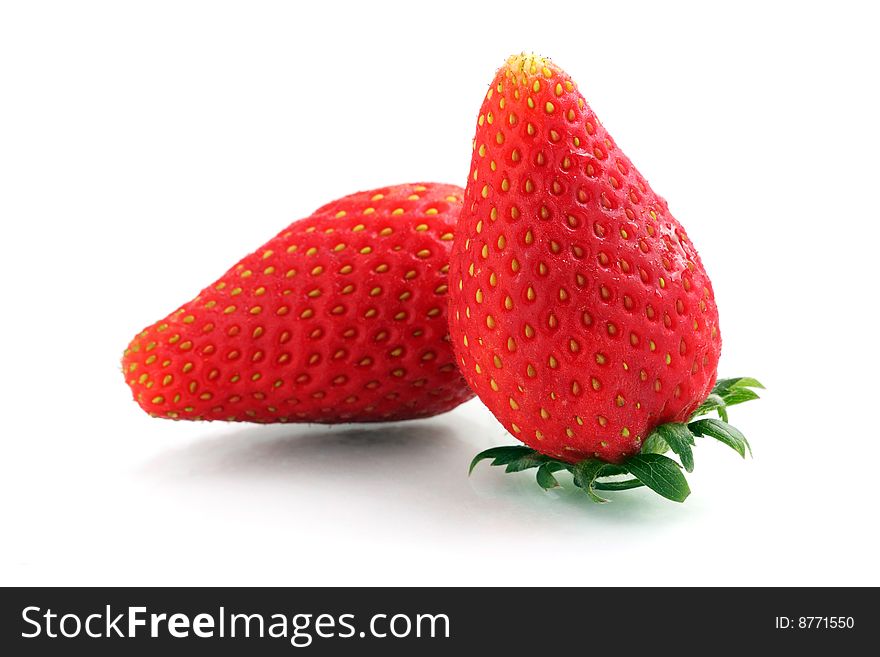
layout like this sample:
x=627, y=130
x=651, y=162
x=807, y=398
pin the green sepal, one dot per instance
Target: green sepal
x=544, y=475
x=738, y=382
x=648, y=468
x=610, y=469
x=525, y=462
x=501, y=455
x=726, y=393
x=654, y=444
x=713, y=403
x=724, y=432
x=680, y=440
x=736, y=391
x=661, y=474
x=624, y=484
x=585, y=473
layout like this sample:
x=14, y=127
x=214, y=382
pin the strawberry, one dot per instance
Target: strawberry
x=580, y=312
x=341, y=317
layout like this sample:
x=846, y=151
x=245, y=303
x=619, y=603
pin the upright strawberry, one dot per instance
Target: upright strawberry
x=580, y=311
x=339, y=318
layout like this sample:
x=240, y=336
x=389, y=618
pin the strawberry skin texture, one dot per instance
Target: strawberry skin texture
x=580, y=312
x=339, y=318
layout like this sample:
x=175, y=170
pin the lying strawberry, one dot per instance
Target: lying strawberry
x=580, y=311
x=339, y=318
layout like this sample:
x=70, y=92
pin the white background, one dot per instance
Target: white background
x=145, y=147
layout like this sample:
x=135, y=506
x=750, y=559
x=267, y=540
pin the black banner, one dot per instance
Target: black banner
x=437, y=621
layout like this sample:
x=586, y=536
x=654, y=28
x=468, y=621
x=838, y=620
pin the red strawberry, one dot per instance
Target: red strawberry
x=339, y=318
x=580, y=312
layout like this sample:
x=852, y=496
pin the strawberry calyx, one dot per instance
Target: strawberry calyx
x=650, y=467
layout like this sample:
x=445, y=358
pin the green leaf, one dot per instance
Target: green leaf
x=626, y=484
x=609, y=470
x=726, y=433
x=585, y=473
x=739, y=382
x=501, y=455
x=713, y=403
x=736, y=391
x=661, y=474
x=545, y=477
x=738, y=396
x=532, y=460
x=654, y=444
x=680, y=439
